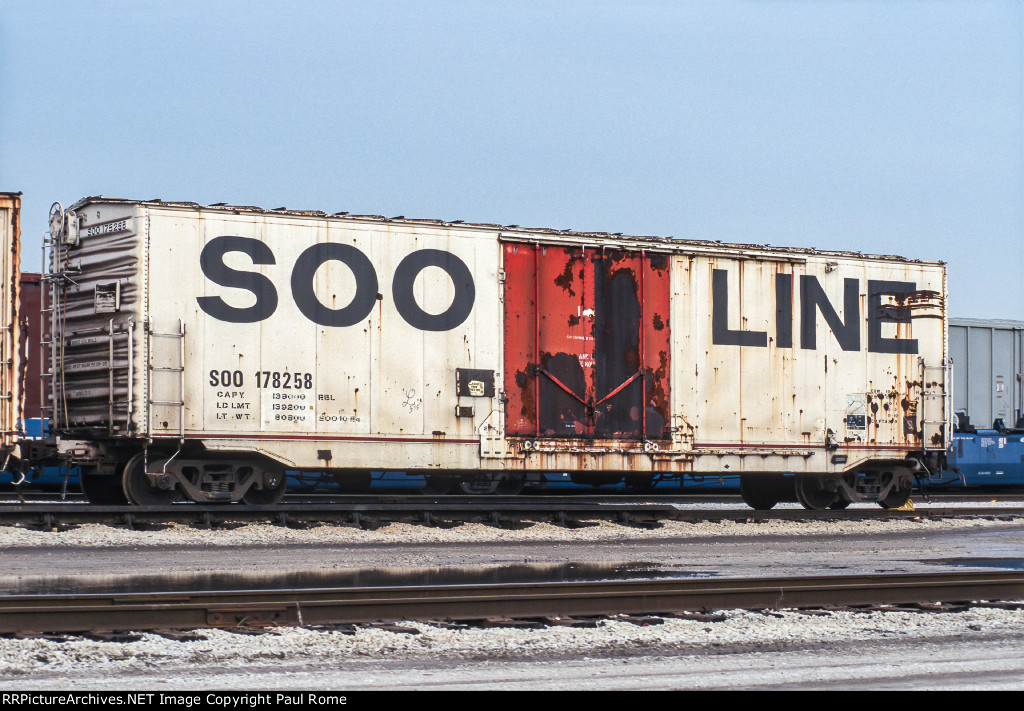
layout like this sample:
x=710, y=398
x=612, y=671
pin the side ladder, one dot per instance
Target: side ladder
x=935, y=409
x=166, y=380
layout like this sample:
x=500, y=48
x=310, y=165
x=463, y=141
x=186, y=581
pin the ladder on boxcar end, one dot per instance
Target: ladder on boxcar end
x=115, y=331
x=93, y=367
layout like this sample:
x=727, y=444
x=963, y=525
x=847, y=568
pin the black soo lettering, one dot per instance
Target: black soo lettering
x=211, y=261
x=405, y=301
x=302, y=284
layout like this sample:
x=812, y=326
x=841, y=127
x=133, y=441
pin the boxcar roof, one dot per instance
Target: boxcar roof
x=523, y=234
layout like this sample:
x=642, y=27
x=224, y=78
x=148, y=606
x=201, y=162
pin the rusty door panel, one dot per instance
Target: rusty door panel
x=586, y=342
x=656, y=345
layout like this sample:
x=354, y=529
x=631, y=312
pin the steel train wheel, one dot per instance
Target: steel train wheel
x=840, y=503
x=479, y=486
x=139, y=488
x=511, y=484
x=895, y=499
x=812, y=494
x=272, y=492
x=759, y=492
x=102, y=490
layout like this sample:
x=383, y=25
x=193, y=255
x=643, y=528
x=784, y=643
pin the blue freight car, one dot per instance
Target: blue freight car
x=984, y=458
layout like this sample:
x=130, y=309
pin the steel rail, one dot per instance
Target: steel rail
x=519, y=500
x=369, y=512
x=374, y=515
x=321, y=498
x=320, y=606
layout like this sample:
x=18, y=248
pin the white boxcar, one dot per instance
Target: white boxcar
x=206, y=350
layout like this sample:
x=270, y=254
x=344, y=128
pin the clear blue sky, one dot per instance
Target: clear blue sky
x=886, y=127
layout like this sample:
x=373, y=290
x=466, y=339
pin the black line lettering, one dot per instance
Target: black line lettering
x=878, y=314
x=813, y=300
x=720, y=333
x=783, y=310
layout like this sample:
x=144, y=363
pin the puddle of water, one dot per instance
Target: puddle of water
x=376, y=577
x=1002, y=563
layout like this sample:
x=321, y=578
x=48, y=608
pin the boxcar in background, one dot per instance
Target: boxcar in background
x=987, y=450
x=11, y=375
x=988, y=368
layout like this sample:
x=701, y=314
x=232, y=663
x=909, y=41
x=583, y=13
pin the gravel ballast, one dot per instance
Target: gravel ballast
x=425, y=654
x=978, y=648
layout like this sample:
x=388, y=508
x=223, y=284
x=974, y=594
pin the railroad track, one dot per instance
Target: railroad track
x=723, y=497
x=512, y=512
x=180, y=610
